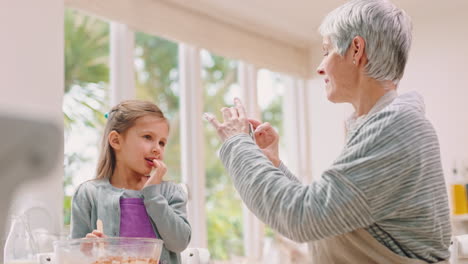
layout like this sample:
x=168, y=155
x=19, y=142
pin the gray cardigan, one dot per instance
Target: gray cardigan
x=165, y=204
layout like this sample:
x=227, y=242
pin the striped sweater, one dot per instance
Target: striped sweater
x=388, y=179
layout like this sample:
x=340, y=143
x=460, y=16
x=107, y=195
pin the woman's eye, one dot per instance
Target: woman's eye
x=326, y=54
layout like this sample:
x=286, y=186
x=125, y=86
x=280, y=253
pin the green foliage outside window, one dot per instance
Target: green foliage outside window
x=156, y=74
x=85, y=91
x=223, y=205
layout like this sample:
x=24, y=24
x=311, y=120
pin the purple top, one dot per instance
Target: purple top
x=134, y=220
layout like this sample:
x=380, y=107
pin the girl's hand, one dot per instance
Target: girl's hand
x=157, y=173
x=267, y=140
x=95, y=234
x=86, y=248
x=235, y=121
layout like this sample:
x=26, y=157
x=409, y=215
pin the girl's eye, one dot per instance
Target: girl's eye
x=147, y=137
x=162, y=143
x=326, y=54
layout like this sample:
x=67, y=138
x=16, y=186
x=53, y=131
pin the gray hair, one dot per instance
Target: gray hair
x=385, y=28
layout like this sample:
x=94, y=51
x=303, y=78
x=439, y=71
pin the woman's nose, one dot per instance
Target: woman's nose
x=320, y=70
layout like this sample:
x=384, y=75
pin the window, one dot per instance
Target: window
x=156, y=66
x=223, y=204
x=157, y=80
x=86, y=98
x=271, y=88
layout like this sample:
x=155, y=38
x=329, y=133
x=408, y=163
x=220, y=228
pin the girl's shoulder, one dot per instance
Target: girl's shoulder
x=91, y=186
x=170, y=186
x=176, y=185
x=173, y=189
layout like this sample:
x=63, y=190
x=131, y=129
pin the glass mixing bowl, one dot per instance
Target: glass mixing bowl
x=116, y=250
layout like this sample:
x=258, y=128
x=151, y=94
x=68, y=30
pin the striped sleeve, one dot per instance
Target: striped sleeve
x=375, y=178
x=330, y=206
x=287, y=172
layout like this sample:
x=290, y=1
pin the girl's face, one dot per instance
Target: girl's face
x=145, y=141
x=339, y=72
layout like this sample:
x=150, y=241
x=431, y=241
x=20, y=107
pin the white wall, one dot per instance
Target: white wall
x=31, y=75
x=327, y=127
x=438, y=69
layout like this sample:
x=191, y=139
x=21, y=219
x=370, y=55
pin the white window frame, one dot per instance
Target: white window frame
x=122, y=57
x=253, y=229
x=192, y=140
x=296, y=123
x=296, y=115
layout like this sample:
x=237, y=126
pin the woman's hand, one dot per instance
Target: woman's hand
x=157, y=173
x=267, y=140
x=235, y=121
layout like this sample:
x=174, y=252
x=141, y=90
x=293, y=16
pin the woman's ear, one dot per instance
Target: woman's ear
x=114, y=139
x=358, y=46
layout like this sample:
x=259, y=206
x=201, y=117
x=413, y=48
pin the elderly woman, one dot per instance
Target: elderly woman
x=384, y=199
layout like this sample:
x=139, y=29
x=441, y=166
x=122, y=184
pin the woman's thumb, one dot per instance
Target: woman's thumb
x=263, y=127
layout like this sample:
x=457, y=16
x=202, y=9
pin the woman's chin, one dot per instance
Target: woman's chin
x=331, y=97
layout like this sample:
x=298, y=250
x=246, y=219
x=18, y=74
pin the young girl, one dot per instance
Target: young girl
x=129, y=201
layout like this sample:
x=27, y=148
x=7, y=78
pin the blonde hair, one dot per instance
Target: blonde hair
x=121, y=118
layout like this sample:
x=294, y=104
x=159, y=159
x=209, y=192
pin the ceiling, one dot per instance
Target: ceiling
x=294, y=21
x=297, y=21
x=280, y=35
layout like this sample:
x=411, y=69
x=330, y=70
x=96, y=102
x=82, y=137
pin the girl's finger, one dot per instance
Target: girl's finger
x=160, y=168
x=156, y=163
x=155, y=168
x=162, y=165
x=159, y=164
x=97, y=233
